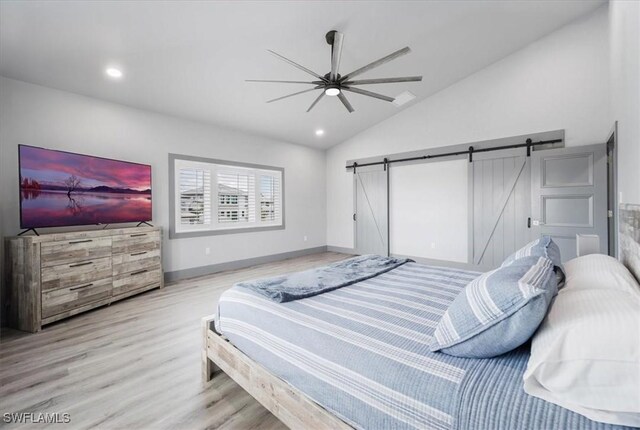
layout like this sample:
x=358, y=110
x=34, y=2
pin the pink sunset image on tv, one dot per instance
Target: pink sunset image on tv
x=60, y=188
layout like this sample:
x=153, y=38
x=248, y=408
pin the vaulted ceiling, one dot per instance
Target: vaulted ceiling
x=191, y=59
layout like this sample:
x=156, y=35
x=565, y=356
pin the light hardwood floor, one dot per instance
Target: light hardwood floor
x=136, y=363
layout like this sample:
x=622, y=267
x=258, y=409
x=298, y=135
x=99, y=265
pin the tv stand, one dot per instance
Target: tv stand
x=144, y=222
x=27, y=231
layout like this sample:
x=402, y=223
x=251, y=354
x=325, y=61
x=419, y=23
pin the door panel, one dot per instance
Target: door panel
x=568, y=170
x=500, y=190
x=371, y=211
x=569, y=210
x=569, y=195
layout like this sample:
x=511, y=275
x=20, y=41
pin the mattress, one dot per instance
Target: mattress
x=362, y=353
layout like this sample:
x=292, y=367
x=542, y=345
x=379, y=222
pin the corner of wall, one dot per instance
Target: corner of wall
x=624, y=42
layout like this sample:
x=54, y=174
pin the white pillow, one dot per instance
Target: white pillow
x=585, y=356
x=599, y=271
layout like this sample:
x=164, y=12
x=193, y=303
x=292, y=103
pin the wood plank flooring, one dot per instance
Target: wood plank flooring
x=136, y=363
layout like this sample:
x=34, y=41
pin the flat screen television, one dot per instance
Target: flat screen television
x=60, y=188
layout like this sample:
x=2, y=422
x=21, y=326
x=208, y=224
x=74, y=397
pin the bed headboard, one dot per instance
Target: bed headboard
x=630, y=238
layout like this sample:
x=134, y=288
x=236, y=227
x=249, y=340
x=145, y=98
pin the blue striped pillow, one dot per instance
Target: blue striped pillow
x=543, y=247
x=498, y=311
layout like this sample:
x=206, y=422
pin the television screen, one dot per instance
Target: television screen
x=60, y=188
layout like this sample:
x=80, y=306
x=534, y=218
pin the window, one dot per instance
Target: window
x=195, y=196
x=216, y=197
x=235, y=196
x=269, y=198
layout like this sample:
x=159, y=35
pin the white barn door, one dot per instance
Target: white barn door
x=500, y=190
x=371, y=213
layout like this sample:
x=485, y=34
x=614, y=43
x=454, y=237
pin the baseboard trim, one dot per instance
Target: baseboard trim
x=421, y=260
x=341, y=250
x=194, y=272
x=442, y=263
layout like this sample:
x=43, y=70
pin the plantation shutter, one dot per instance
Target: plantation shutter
x=195, y=196
x=236, y=197
x=270, y=198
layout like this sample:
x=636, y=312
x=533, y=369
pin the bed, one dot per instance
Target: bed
x=358, y=357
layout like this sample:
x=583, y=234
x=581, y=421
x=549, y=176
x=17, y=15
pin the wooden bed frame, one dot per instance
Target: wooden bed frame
x=289, y=405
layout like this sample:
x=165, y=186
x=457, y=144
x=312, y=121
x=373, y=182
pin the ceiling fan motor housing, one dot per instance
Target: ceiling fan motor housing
x=328, y=77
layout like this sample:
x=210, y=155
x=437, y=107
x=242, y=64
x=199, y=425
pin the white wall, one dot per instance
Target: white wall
x=417, y=197
x=624, y=18
x=558, y=82
x=35, y=115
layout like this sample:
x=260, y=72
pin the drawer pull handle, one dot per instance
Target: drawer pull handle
x=139, y=234
x=81, y=286
x=86, y=263
x=139, y=272
x=138, y=253
x=80, y=241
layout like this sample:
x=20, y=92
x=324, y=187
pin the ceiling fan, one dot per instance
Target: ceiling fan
x=333, y=84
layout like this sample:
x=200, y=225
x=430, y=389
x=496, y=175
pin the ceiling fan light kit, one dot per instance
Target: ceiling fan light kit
x=333, y=84
x=332, y=90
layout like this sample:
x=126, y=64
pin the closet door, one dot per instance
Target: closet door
x=500, y=190
x=569, y=196
x=371, y=214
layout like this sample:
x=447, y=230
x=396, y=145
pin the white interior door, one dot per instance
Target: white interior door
x=500, y=190
x=371, y=214
x=569, y=195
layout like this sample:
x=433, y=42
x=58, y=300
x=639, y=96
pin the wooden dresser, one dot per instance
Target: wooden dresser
x=55, y=276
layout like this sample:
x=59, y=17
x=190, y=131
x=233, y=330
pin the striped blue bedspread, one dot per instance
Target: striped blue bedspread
x=362, y=353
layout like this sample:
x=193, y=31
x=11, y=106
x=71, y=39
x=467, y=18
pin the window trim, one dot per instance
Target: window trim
x=173, y=234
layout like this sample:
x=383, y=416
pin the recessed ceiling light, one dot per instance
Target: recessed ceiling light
x=332, y=91
x=112, y=72
x=319, y=132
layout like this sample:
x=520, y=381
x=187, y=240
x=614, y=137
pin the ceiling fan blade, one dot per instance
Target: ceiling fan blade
x=384, y=80
x=368, y=93
x=315, y=102
x=377, y=63
x=285, y=82
x=336, y=53
x=294, y=64
x=345, y=102
x=291, y=95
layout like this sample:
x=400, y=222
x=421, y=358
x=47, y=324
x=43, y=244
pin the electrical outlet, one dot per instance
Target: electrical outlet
x=207, y=251
x=305, y=238
x=433, y=245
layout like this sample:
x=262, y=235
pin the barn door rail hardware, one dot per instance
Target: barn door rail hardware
x=528, y=144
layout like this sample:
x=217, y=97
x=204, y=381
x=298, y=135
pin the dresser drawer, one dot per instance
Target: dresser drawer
x=134, y=280
x=73, y=274
x=136, y=242
x=71, y=251
x=134, y=261
x=65, y=299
